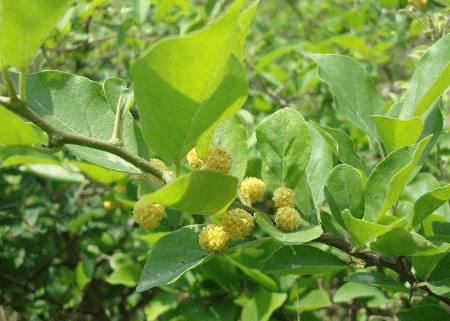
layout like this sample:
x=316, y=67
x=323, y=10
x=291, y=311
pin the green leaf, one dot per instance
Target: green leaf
x=25, y=25
x=430, y=80
x=441, y=271
x=356, y=96
x=319, y=165
x=363, y=231
x=314, y=300
x=261, y=305
x=127, y=275
x=302, y=259
x=185, y=86
x=376, y=279
x=423, y=313
x=267, y=58
x=423, y=265
x=396, y=133
x=159, y=304
x=429, y=202
x=342, y=146
x=78, y=105
x=231, y=135
x=54, y=172
x=141, y=9
x=203, y=192
x=245, y=19
x=14, y=131
x=115, y=88
x=303, y=235
x=100, y=174
x=399, y=241
x=173, y=254
x=352, y=290
x=344, y=189
x=385, y=184
x=441, y=287
x=284, y=140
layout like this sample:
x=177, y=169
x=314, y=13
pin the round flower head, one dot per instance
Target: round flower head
x=217, y=159
x=287, y=219
x=213, y=238
x=284, y=197
x=148, y=214
x=193, y=159
x=238, y=223
x=158, y=164
x=251, y=189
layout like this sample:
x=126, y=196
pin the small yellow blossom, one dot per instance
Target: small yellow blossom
x=251, y=189
x=213, y=238
x=217, y=159
x=238, y=223
x=158, y=164
x=110, y=205
x=284, y=197
x=193, y=159
x=148, y=214
x=287, y=219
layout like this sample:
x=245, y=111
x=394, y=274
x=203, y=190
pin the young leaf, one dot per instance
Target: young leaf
x=302, y=259
x=261, y=305
x=185, y=86
x=173, y=254
x=100, y=174
x=285, y=143
x=385, y=184
x=303, y=235
x=356, y=96
x=115, y=88
x=203, y=192
x=376, y=279
x=14, y=131
x=24, y=26
x=54, y=172
x=430, y=80
x=352, y=290
x=396, y=133
x=426, y=312
x=344, y=189
x=342, y=146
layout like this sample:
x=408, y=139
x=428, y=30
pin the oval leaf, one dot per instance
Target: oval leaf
x=423, y=313
x=14, y=131
x=376, y=279
x=429, y=202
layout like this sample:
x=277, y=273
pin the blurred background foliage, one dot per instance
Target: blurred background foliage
x=70, y=249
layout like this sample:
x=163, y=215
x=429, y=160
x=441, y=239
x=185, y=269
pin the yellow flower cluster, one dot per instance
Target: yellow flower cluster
x=251, y=190
x=236, y=225
x=284, y=197
x=287, y=219
x=168, y=176
x=216, y=159
x=148, y=214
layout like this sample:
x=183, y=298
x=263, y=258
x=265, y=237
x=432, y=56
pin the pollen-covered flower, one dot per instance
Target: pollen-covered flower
x=213, y=238
x=287, y=219
x=217, y=159
x=158, y=164
x=148, y=214
x=251, y=189
x=284, y=197
x=193, y=159
x=238, y=223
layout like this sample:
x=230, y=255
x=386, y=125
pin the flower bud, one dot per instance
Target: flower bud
x=148, y=214
x=251, y=189
x=238, y=223
x=287, y=219
x=193, y=159
x=284, y=197
x=213, y=238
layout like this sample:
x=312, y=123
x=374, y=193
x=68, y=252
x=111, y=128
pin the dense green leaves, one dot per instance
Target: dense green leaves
x=303, y=235
x=431, y=78
x=185, y=86
x=302, y=259
x=174, y=254
x=25, y=25
x=423, y=313
x=385, y=184
x=284, y=140
x=429, y=202
x=356, y=96
x=396, y=133
x=203, y=192
x=14, y=131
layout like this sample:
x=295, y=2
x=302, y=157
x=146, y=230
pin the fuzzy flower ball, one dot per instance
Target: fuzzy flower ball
x=158, y=164
x=251, y=189
x=193, y=159
x=287, y=219
x=213, y=238
x=238, y=223
x=217, y=159
x=284, y=197
x=148, y=214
